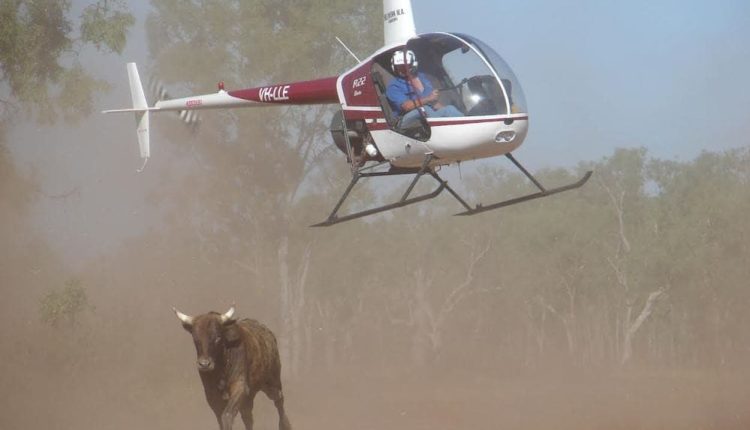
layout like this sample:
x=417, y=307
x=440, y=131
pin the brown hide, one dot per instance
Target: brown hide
x=236, y=359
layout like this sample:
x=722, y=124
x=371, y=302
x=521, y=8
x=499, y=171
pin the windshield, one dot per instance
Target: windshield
x=504, y=72
x=468, y=74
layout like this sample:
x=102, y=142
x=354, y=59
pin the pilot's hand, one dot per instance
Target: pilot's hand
x=434, y=97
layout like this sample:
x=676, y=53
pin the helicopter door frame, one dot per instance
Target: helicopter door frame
x=421, y=131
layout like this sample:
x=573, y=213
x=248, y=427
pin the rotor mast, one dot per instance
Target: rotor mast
x=398, y=22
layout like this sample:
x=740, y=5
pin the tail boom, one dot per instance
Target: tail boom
x=319, y=91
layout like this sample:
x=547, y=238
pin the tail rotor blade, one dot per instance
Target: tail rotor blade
x=159, y=93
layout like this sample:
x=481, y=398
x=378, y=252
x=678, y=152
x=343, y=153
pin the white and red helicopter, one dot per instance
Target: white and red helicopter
x=469, y=75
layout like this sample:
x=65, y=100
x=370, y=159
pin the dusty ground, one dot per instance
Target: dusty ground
x=463, y=401
x=468, y=401
x=139, y=393
x=149, y=381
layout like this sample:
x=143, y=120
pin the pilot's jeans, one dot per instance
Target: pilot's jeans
x=412, y=116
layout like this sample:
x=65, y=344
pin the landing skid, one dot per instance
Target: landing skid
x=405, y=200
x=333, y=218
x=543, y=192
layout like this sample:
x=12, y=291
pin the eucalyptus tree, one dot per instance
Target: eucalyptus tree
x=42, y=79
x=40, y=45
x=260, y=165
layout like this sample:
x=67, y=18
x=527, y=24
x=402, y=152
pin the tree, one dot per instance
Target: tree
x=262, y=162
x=702, y=207
x=64, y=306
x=39, y=52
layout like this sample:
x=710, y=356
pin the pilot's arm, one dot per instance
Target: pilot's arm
x=431, y=99
x=398, y=97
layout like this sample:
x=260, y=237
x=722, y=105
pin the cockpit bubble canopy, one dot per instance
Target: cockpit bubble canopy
x=469, y=74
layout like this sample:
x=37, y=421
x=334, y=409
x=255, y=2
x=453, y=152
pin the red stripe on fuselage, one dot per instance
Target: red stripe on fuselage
x=363, y=114
x=319, y=91
x=435, y=122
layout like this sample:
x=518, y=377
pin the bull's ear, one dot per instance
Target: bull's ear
x=231, y=332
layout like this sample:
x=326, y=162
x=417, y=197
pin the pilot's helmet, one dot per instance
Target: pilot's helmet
x=404, y=62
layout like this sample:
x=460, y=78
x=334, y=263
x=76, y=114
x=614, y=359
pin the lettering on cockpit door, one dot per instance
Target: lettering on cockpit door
x=358, y=84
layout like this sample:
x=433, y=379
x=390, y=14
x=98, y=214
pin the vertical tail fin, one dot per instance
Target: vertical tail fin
x=141, y=111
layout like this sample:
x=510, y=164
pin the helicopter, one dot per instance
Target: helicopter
x=488, y=117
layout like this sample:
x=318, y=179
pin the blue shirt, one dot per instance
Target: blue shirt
x=399, y=91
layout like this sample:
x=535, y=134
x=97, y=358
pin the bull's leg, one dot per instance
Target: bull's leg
x=217, y=404
x=246, y=411
x=237, y=395
x=218, y=412
x=277, y=396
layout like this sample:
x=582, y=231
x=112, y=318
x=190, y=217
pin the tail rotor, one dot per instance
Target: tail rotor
x=159, y=93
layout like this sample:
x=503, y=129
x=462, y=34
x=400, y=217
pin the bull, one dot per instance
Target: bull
x=236, y=359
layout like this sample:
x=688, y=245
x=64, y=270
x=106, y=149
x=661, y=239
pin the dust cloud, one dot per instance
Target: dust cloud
x=137, y=370
x=126, y=363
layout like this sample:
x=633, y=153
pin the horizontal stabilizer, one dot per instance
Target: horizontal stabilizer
x=142, y=110
x=130, y=110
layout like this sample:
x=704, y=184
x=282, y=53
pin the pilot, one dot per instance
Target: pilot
x=411, y=91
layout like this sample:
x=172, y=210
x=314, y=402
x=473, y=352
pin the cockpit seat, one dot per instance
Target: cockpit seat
x=382, y=78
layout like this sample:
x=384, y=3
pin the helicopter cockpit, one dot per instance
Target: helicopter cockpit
x=468, y=74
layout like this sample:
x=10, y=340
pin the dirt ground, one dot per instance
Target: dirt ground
x=466, y=400
x=161, y=390
x=450, y=400
x=148, y=380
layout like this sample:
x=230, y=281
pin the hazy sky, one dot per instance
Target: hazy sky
x=667, y=75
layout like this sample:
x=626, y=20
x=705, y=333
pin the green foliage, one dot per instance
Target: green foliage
x=105, y=24
x=38, y=52
x=64, y=306
x=33, y=36
x=76, y=89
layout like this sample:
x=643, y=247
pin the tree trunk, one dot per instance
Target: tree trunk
x=292, y=302
x=285, y=302
x=632, y=329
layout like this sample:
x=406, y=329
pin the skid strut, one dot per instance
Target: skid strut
x=359, y=172
x=543, y=192
x=333, y=218
x=405, y=200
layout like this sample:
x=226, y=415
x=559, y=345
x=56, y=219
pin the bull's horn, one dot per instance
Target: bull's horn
x=228, y=315
x=186, y=319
